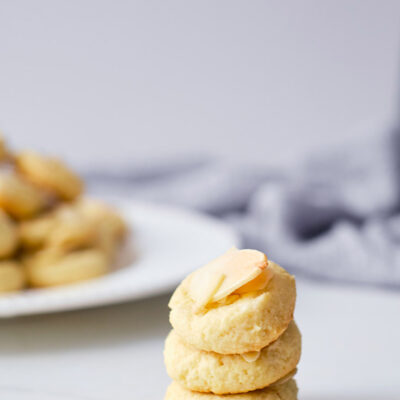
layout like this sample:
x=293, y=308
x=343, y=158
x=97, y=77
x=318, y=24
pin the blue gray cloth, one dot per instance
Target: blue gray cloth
x=336, y=217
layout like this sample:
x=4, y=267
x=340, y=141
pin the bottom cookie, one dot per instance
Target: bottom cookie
x=285, y=391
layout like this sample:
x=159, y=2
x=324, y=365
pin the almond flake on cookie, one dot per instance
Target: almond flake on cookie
x=235, y=272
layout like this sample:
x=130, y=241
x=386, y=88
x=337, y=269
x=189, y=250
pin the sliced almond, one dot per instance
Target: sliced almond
x=242, y=267
x=213, y=284
x=235, y=272
x=259, y=283
x=203, y=281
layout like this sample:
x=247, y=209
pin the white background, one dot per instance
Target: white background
x=116, y=81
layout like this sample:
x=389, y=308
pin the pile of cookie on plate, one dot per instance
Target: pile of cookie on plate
x=49, y=233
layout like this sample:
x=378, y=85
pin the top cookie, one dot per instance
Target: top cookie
x=240, y=323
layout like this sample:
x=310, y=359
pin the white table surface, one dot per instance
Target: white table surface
x=351, y=348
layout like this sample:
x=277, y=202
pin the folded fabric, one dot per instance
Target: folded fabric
x=337, y=217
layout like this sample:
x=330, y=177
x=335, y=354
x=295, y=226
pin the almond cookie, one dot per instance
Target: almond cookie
x=53, y=268
x=49, y=173
x=203, y=371
x=64, y=228
x=103, y=214
x=72, y=230
x=110, y=226
x=284, y=391
x=12, y=276
x=8, y=235
x=106, y=241
x=34, y=232
x=238, y=303
x=19, y=198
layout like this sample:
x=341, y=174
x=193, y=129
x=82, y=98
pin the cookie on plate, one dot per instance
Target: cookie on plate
x=103, y=214
x=8, y=235
x=52, y=267
x=50, y=174
x=34, y=232
x=72, y=230
x=19, y=198
x=12, y=276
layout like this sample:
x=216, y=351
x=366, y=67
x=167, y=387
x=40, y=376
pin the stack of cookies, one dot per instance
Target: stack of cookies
x=234, y=334
x=49, y=233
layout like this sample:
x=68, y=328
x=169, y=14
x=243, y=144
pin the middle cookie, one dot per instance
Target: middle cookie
x=204, y=371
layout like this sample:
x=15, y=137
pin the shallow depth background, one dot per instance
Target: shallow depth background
x=113, y=81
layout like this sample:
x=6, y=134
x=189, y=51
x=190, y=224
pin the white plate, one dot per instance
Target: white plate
x=168, y=242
